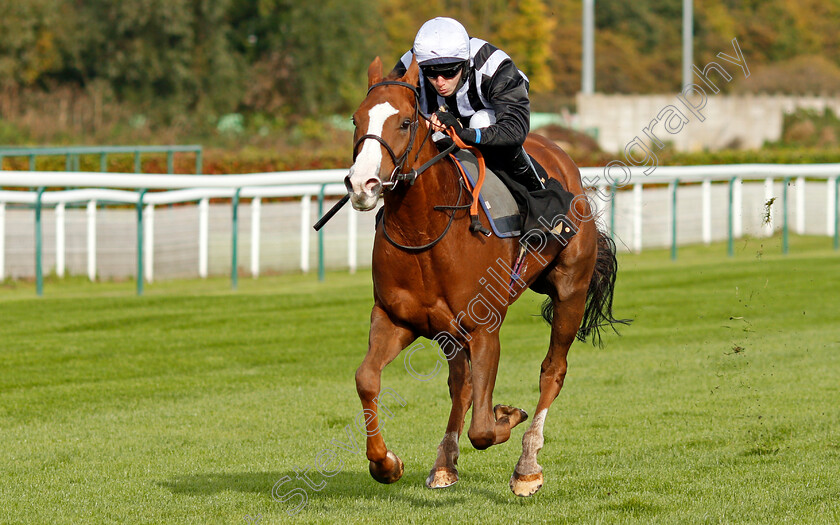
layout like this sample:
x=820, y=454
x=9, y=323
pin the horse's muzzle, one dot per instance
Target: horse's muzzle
x=364, y=198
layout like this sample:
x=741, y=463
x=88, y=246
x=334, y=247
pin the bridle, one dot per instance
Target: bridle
x=399, y=165
x=398, y=174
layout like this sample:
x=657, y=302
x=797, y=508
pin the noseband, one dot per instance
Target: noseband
x=399, y=162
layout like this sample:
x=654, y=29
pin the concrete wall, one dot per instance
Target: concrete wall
x=730, y=121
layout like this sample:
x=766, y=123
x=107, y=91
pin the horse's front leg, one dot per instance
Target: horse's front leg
x=490, y=425
x=385, y=343
x=444, y=474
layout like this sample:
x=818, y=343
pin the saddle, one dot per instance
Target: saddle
x=511, y=209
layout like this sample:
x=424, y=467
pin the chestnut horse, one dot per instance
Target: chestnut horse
x=428, y=270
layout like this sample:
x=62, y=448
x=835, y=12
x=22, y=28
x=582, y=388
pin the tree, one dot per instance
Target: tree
x=401, y=21
x=566, y=45
x=159, y=55
x=331, y=43
x=28, y=50
x=305, y=57
x=526, y=37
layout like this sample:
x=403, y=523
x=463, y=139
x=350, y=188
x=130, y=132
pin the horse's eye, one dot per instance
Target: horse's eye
x=405, y=124
x=353, y=120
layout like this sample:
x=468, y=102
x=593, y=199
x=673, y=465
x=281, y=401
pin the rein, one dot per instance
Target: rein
x=452, y=209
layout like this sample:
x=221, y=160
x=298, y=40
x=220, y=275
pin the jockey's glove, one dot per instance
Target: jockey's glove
x=468, y=135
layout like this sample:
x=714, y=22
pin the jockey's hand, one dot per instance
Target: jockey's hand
x=448, y=120
x=436, y=125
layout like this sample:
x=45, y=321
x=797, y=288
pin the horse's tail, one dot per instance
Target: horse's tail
x=599, y=297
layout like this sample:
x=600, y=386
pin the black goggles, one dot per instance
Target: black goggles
x=446, y=71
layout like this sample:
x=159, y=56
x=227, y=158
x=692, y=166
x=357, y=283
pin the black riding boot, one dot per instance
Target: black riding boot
x=522, y=170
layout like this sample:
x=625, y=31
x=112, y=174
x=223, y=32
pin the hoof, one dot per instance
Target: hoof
x=442, y=477
x=389, y=470
x=526, y=485
x=516, y=415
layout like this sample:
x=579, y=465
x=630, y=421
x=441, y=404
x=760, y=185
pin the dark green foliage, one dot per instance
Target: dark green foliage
x=305, y=57
x=333, y=42
x=169, y=70
x=810, y=129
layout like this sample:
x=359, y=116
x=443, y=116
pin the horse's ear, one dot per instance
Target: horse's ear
x=412, y=76
x=375, y=72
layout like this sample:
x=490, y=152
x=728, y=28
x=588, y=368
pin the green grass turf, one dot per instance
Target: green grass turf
x=720, y=404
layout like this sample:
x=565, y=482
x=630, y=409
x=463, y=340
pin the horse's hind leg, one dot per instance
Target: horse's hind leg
x=385, y=343
x=527, y=477
x=444, y=474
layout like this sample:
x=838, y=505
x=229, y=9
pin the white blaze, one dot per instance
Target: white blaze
x=370, y=158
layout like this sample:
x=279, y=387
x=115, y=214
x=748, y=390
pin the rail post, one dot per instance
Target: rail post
x=39, y=272
x=837, y=213
x=198, y=162
x=256, y=219
x=2, y=241
x=321, y=270
x=170, y=162
x=674, y=219
x=234, y=274
x=785, y=227
x=140, y=196
x=730, y=249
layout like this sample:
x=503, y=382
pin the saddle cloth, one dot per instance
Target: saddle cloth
x=495, y=199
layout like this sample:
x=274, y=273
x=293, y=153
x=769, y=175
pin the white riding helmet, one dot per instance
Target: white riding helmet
x=441, y=40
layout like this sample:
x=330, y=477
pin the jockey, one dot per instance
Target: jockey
x=486, y=95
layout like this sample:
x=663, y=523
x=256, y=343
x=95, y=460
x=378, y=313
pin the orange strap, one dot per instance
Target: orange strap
x=480, y=158
x=463, y=173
